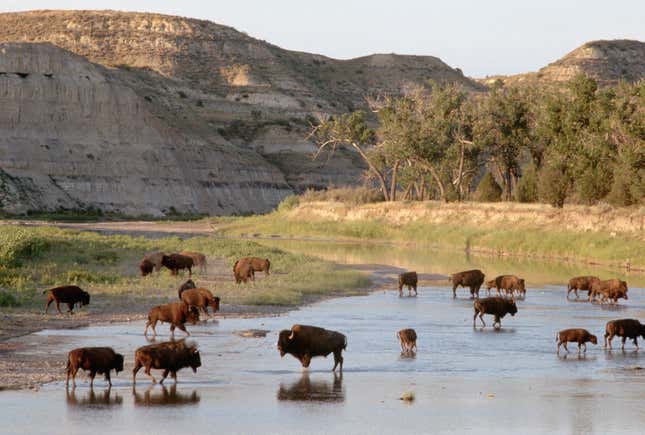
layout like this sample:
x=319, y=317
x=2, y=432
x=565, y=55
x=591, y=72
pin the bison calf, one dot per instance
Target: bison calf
x=67, y=294
x=625, y=328
x=577, y=335
x=581, y=283
x=154, y=258
x=410, y=280
x=169, y=357
x=146, y=267
x=200, y=298
x=609, y=290
x=472, y=279
x=497, y=306
x=95, y=360
x=408, y=339
x=243, y=271
x=177, y=262
x=305, y=342
x=185, y=286
x=199, y=259
x=175, y=313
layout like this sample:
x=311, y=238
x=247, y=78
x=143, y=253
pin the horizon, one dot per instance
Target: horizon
x=478, y=54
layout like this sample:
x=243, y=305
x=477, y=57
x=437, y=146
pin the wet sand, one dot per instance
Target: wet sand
x=464, y=379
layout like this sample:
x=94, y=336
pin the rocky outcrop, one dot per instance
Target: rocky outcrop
x=73, y=136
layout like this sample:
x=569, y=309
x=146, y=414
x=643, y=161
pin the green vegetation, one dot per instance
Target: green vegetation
x=582, y=144
x=488, y=190
x=36, y=258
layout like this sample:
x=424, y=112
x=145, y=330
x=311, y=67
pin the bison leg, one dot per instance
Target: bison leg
x=624, y=340
x=50, y=299
x=564, y=344
x=107, y=378
x=164, y=376
x=584, y=346
x=182, y=327
x=73, y=370
x=147, y=372
x=58, y=307
x=70, y=308
x=92, y=376
x=608, y=338
x=174, y=376
x=137, y=367
x=498, y=322
x=557, y=349
x=190, y=272
x=338, y=359
x=475, y=317
x=636, y=342
x=306, y=360
x=454, y=290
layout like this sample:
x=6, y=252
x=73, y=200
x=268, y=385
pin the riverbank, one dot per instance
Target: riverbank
x=589, y=235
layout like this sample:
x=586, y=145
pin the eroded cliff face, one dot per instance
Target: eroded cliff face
x=74, y=136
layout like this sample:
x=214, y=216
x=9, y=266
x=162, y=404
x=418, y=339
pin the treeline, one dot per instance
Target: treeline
x=579, y=143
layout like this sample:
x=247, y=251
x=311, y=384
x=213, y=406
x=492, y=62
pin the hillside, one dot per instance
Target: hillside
x=241, y=106
x=607, y=62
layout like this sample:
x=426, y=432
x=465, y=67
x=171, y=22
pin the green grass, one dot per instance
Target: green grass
x=519, y=240
x=36, y=258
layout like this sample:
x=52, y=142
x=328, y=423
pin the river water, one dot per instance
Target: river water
x=463, y=379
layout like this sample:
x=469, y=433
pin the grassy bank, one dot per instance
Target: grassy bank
x=585, y=234
x=35, y=258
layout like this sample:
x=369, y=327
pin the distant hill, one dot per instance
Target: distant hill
x=607, y=62
x=222, y=114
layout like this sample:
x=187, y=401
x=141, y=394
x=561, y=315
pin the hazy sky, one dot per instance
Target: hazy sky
x=482, y=37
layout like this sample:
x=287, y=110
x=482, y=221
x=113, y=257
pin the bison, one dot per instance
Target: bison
x=185, y=286
x=576, y=335
x=200, y=298
x=146, y=267
x=611, y=289
x=67, y=294
x=581, y=283
x=243, y=271
x=155, y=258
x=199, y=259
x=490, y=285
x=408, y=339
x=258, y=264
x=175, y=313
x=305, y=342
x=497, y=306
x=626, y=328
x=169, y=357
x=410, y=280
x=177, y=262
x=509, y=284
x=100, y=360
x=472, y=279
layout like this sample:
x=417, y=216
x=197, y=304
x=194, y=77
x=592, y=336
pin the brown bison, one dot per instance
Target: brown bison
x=410, y=280
x=497, y=306
x=155, y=259
x=580, y=283
x=199, y=259
x=185, y=286
x=305, y=342
x=146, y=267
x=490, y=285
x=611, y=289
x=472, y=279
x=625, y=328
x=508, y=284
x=200, y=298
x=258, y=264
x=67, y=294
x=175, y=313
x=95, y=360
x=169, y=357
x=243, y=271
x=576, y=335
x=177, y=262
x=408, y=339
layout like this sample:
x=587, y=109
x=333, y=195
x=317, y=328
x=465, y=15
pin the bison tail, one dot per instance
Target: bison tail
x=45, y=291
x=235, y=265
x=345, y=344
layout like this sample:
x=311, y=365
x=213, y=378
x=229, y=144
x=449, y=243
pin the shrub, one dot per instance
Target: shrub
x=346, y=195
x=488, y=190
x=289, y=203
x=553, y=185
x=8, y=299
x=527, y=187
x=19, y=245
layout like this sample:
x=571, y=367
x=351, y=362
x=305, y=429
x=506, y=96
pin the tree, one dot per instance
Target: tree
x=488, y=190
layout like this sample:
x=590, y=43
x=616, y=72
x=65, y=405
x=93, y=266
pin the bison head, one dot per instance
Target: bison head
x=284, y=340
x=195, y=359
x=593, y=339
x=490, y=284
x=215, y=303
x=165, y=260
x=146, y=267
x=85, y=298
x=118, y=363
x=642, y=331
x=512, y=307
x=522, y=286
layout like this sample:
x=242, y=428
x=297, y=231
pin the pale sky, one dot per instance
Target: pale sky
x=482, y=37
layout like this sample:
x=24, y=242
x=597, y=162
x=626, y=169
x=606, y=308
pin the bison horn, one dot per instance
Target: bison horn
x=291, y=336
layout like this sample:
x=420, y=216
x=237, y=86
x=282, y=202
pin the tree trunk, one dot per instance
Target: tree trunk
x=395, y=169
x=375, y=171
x=460, y=175
x=407, y=191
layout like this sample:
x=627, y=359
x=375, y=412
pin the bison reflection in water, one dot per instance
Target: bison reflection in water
x=155, y=396
x=104, y=398
x=313, y=391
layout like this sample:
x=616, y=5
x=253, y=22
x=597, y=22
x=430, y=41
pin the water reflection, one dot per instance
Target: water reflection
x=307, y=390
x=91, y=399
x=164, y=396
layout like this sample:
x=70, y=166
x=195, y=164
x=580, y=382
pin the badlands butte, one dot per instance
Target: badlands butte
x=145, y=114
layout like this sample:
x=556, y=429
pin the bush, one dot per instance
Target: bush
x=553, y=186
x=8, y=299
x=488, y=190
x=346, y=195
x=20, y=245
x=289, y=203
x=527, y=187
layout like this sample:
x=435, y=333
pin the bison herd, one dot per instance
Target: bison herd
x=305, y=342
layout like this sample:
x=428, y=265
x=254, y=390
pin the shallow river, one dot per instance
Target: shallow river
x=464, y=380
